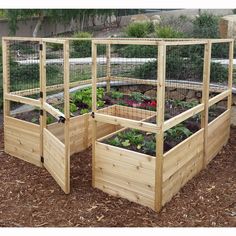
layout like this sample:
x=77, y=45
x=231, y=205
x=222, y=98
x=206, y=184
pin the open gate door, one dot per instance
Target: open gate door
x=56, y=149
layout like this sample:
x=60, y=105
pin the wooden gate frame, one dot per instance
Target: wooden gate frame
x=38, y=130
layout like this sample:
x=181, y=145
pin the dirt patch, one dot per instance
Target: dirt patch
x=30, y=197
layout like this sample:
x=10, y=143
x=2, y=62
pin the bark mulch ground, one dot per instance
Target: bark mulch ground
x=30, y=197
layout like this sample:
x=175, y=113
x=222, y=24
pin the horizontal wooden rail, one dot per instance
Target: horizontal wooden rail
x=140, y=125
x=53, y=111
x=179, y=43
x=24, y=100
x=121, y=130
x=219, y=97
x=21, y=39
x=183, y=116
x=123, y=41
x=54, y=40
x=56, y=87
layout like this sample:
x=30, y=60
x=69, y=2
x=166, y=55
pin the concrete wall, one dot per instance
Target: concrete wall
x=25, y=28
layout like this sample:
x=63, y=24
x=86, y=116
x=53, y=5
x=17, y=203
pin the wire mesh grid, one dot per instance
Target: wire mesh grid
x=24, y=67
x=130, y=81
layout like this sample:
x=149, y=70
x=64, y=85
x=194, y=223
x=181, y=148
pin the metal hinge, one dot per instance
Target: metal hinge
x=61, y=119
x=41, y=94
x=41, y=112
x=42, y=159
x=40, y=47
x=93, y=115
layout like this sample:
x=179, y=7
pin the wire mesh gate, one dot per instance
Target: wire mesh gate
x=31, y=142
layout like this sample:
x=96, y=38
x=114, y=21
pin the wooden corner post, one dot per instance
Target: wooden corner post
x=205, y=98
x=42, y=77
x=230, y=73
x=108, y=63
x=6, y=75
x=94, y=107
x=160, y=124
x=6, y=79
x=67, y=113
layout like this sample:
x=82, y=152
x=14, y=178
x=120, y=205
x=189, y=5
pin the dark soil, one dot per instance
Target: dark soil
x=30, y=197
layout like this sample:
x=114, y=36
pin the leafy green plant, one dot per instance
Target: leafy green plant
x=34, y=120
x=168, y=32
x=73, y=108
x=134, y=136
x=137, y=96
x=177, y=133
x=50, y=120
x=149, y=147
x=116, y=95
x=114, y=142
x=126, y=143
x=84, y=111
x=84, y=98
x=184, y=104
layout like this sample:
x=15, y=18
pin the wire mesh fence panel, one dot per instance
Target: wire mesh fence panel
x=131, y=80
x=184, y=78
x=219, y=64
x=24, y=112
x=80, y=60
x=24, y=67
x=55, y=75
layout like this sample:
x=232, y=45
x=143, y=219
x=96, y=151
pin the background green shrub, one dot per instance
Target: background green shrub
x=139, y=29
x=82, y=48
x=168, y=32
x=206, y=26
x=138, y=51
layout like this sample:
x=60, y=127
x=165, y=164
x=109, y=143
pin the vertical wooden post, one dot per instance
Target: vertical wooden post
x=160, y=121
x=6, y=75
x=42, y=78
x=94, y=107
x=205, y=98
x=108, y=57
x=6, y=78
x=230, y=73
x=67, y=113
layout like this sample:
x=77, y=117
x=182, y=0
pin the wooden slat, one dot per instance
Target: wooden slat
x=24, y=100
x=182, y=153
x=54, y=158
x=130, y=41
x=53, y=111
x=22, y=140
x=219, y=97
x=183, y=116
x=126, y=122
x=218, y=134
x=21, y=39
x=172, y=185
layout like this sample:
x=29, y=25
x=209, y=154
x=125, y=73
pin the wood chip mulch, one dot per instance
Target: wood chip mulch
x=30, y=197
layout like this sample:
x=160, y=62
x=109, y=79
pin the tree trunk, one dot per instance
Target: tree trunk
x=39, y=23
